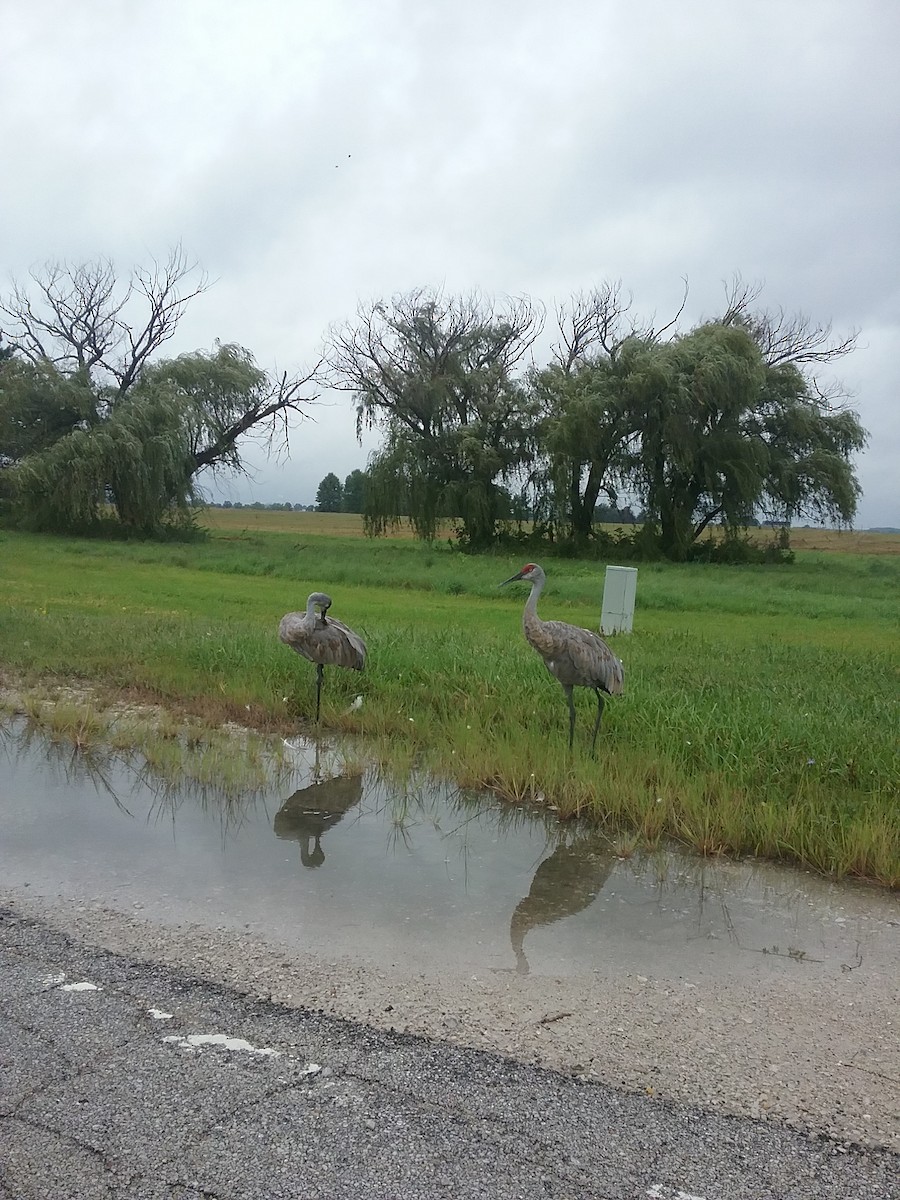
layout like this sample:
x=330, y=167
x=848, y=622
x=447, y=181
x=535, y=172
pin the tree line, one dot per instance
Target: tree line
x=332, y=496
x=727, y=422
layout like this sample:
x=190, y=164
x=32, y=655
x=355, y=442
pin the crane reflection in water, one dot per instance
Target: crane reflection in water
x=308, y=814
x=565, y=883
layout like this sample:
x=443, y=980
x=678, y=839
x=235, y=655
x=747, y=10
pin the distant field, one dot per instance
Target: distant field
x=236, y=520
x=761, y=705
x=256, y=520
x=845, y=541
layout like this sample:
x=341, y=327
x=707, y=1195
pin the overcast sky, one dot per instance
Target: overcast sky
x=311, y=155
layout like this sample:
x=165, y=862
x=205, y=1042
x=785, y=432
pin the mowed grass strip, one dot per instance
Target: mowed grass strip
x=760, y=713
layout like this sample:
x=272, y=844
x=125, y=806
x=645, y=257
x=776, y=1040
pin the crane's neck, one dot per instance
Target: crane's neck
x=530, y=618
x=519, y=926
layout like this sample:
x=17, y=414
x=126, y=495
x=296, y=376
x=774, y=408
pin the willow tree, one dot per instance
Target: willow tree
x=88, y=415
x=716, y=424
x=38, y=405
x=584, y=425
x=437, y=374
x=687, y=401
x=810, y=444
x=720, y=434
x=136, y=460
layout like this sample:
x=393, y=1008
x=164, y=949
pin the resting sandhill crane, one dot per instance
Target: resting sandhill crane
x=577, y=657
x=321, y=639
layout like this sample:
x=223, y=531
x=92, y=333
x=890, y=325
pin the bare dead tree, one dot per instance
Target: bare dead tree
x=74, y=316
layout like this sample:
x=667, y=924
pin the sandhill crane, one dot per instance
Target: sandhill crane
x=321, y=639
x=577, y=657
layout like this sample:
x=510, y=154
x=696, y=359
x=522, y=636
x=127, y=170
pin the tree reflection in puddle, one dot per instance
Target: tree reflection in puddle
x=225, y=774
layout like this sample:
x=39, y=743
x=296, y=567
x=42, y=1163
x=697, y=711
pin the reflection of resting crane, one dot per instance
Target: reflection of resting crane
x=564, y=884
x=313, y=810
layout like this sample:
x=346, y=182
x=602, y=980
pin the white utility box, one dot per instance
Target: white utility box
x=619, y=590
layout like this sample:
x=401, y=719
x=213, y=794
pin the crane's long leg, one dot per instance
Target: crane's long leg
x=568, y=692
x=320, y=671
x=600, y=703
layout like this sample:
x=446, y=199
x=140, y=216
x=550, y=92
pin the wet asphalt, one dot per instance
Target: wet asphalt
x=145, y=1083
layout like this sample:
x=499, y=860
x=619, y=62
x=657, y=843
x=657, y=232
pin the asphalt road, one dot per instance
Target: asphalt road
x=120, y=1078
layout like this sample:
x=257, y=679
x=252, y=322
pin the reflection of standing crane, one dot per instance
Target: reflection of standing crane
x=564, y=884
x=321, y=639
x=311, y=811
x=577, y=657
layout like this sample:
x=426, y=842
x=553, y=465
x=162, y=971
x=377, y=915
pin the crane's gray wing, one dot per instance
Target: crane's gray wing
x=294, y=631
x=347, y=646
x=581, y=657
x=323, y=640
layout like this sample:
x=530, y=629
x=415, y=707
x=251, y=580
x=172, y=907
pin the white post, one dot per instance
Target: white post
x=619, y=589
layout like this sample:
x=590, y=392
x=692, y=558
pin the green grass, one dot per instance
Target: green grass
x=760, y=713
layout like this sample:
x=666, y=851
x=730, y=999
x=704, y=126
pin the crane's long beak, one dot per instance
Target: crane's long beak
x=512, y=579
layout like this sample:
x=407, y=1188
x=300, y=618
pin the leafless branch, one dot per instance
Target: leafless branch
x=591, y=320
x=783, y=338
x=269, y=416
x=600, y=321
x=163, y=289
x=656, y=334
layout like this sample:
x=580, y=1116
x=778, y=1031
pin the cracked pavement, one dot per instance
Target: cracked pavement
x=153, y=1084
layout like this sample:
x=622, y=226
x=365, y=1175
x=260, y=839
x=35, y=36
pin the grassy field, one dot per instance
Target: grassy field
x=760, y=713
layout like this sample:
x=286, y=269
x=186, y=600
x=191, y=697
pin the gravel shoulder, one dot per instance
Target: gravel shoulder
x=818, y=1054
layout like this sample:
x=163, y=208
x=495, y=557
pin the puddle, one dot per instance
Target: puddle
x=418, y=874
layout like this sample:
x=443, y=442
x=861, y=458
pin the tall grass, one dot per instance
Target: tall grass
x=760, y=713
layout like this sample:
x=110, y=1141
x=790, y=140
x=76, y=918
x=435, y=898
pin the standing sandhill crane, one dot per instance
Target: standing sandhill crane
x=577, y=657
x=321, y=639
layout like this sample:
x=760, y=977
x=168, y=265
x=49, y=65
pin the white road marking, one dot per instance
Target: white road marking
x=662, y=1191
x=158, y=1015
x=79, y=987
x=193, y=1041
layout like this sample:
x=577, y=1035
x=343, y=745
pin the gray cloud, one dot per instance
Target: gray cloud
x=311, y=155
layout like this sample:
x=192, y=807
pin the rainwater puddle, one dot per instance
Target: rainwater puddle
x=414, y=873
